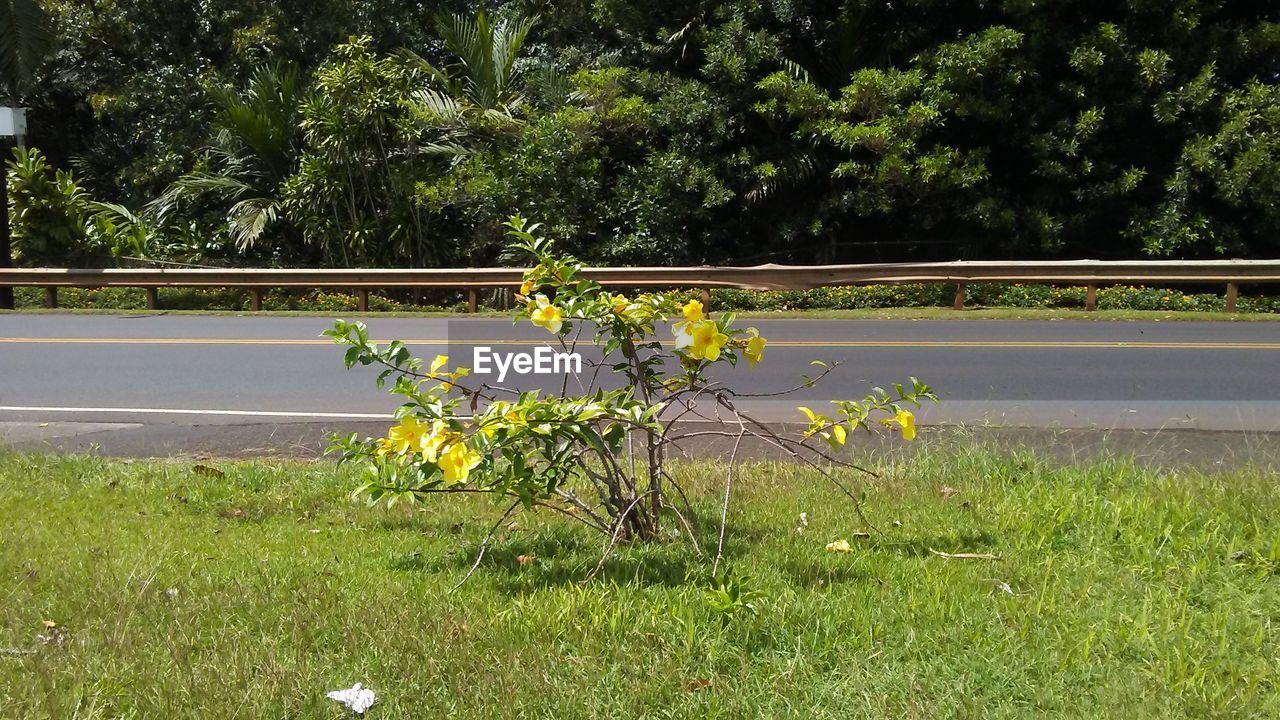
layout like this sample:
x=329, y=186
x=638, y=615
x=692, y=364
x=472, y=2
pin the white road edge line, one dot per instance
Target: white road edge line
x=179, y=411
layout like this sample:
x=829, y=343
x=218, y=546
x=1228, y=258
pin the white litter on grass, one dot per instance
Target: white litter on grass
x=357, y=698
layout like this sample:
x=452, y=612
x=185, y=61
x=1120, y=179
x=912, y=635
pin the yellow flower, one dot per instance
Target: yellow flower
x=412, y=435
x=429, y=445
x=546, y=315
x=905, y=420
x=456, y=463
x=526, y=287
x=624, y=307
x=439, y=362
x=692, y=311
x=407, y=435
x=755, y=346
x=701, y=339
x=839, y=546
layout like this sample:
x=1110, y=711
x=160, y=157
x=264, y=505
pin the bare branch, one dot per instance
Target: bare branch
x=484, y=545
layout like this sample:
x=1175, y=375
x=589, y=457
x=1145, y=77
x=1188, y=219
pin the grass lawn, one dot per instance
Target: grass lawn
x=1119, y=591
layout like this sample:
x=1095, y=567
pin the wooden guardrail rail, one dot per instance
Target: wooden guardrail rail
x=1088, y=273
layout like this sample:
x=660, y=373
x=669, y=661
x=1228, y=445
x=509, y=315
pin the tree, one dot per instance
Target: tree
x=254, y=150
x=25, y=38
x=486, y=49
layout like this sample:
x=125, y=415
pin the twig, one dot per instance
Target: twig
x=965, y=556
x=728, y=487
x=614, y=540
x=693, y=539
x=484, y=545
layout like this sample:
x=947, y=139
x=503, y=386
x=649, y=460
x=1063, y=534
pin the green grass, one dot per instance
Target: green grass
x=1134, y=593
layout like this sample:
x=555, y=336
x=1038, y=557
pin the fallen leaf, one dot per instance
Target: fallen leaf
x=697, y=684
x=208, y=471
x=526, y=559
x=947, y=491
x=50, y=624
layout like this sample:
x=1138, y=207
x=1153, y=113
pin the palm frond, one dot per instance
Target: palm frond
x=248, y=219
x=25, y=38
x=487, y=49
x=421, y=64
x=194, y=185
x=796, y=71
x=448, y=150
x=120, y=215
x=792, y=171
x=439, y=105
x=261, y=119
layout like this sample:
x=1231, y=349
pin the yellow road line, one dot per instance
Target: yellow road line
x=958, y=344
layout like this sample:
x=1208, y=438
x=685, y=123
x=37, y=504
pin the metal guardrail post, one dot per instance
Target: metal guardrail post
x=153, y=299
x=1233, y=291
x=1091, y=298
x=958, y=304
x=255, y=299
x=706, y=298
x=51, y=298
x=473, y=300
x=362, y=300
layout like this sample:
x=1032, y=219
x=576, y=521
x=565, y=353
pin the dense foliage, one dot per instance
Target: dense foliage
x=377, y=132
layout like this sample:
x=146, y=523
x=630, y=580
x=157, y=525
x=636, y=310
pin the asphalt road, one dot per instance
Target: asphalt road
x=81, y=372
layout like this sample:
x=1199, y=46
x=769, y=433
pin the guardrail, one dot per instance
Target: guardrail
x=1088, y=273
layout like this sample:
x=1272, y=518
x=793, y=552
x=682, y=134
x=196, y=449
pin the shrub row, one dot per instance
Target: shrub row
x=1000, y=295
x=834, y=298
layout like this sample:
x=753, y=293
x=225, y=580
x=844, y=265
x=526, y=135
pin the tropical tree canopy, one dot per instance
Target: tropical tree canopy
x=385, y=132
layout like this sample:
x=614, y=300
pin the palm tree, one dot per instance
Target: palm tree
x=483, y=79
x=252, y=152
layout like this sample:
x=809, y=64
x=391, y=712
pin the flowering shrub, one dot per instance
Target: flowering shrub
x=599, y=457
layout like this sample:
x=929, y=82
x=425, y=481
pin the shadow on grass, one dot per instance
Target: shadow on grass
x=525, y=560
x=531, y=561
x=921, y=547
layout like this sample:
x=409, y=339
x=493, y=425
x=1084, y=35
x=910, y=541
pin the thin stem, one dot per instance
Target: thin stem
x=484, y=545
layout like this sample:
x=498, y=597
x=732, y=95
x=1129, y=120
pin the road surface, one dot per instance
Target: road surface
x=82, y=373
